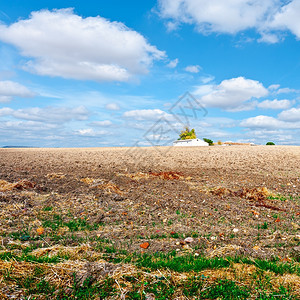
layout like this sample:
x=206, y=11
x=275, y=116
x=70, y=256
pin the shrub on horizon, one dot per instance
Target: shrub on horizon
x=209, y=141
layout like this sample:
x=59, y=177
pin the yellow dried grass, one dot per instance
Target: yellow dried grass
x=228, y=250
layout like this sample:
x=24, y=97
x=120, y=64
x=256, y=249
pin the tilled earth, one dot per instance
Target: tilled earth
x=230, y=201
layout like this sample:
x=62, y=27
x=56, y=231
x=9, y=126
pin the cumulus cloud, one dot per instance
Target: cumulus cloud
x=207, y=79
x=275, y=104
x=287, y=18
x=233, y=94
x=267, y=122
x=193, y=69
x=145, y=114
x=48, y=114
x=291, y=115
x=273, y=87
x=268, y=17
x=11, y=89
x=112, y=106
x=26, y=126
x=105, y=123
x=286, y=91
x=5, y=111
x=89, y=132
x=61, y=43
x=217, y=15
x=173, y=63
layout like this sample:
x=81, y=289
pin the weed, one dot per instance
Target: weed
x=174, y=235
x=48, y=208
x=263, y=226
x=158, y=236
x=226, y=289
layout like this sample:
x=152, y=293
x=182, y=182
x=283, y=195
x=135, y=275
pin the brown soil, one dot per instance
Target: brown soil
x=221, y=196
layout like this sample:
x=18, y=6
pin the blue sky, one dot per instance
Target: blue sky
x=86, y=74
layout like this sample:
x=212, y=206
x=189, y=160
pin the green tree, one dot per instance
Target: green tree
x=210, y=142
x=187, y=134
x=270, y=143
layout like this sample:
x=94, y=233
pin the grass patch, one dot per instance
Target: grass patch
x=76, y=224
x=31, y=258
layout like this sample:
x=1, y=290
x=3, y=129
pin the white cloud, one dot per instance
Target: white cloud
x=11, y=89
x=275, y=104
x=229, y=16
x=287, y=18
x=203, y=89
x=291, y=115
x=89, y=132
x=104, y=123
x=48, y=114
x=273, y=87
x=207, y=79
x=64, y=44
x=286, y=91
x=146, y=114
x=266, y=122
x=112, y=106
x=268, y=17
x=233, y=94
x=173, y=63
x=193, y=69
x=26, y=126
x=5, y=111
x=269, y=38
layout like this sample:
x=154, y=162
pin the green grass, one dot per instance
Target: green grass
x=162, y=288
x=188, y=263
x=185, y=263
x=226, y=289
x=31, y=258
x=76, y=224
x=48, y=208
x=263, y=226
x=193, y=287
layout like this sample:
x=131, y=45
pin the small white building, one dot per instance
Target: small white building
x=192, y=142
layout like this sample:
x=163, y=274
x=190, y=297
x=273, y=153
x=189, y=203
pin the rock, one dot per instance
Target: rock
x=235, y=230
x=189, y=240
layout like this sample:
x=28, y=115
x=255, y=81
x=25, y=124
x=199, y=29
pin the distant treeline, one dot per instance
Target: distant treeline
x=19, y=147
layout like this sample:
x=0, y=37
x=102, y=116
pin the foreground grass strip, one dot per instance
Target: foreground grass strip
x=274, y=266
x=185, y=263
x=141, y=287
x=31, y=258
x=216, y=282
x=189, y=263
